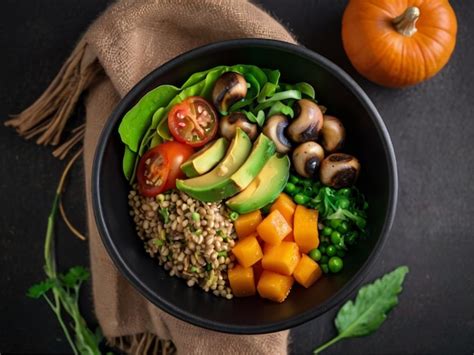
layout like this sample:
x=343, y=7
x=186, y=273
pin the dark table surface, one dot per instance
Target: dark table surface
x=431, y=125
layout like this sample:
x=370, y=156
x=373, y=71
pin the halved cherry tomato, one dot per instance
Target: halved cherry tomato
x=159, y=167
x=177, y=154
x=193, y=121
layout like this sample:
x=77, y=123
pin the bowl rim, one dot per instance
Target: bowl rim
x=133, y=277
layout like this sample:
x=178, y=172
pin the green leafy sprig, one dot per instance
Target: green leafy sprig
x=370, y=308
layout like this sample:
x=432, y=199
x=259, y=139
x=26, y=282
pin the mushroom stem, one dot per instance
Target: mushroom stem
x=405, y=24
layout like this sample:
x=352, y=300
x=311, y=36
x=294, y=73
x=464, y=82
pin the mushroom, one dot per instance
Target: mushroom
x=275, y=130
x=332, y=134
x=228, y=125
x=307, y=158
x=339, y=170
x=229, y=88
x=308, y=122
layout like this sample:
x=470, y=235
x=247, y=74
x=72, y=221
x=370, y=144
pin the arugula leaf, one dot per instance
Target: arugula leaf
x=279, y=107
x=370, y=309
x=39, y=289
x=259, y=118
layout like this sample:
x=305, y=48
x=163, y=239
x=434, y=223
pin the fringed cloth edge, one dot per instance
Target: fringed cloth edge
x=46, y=118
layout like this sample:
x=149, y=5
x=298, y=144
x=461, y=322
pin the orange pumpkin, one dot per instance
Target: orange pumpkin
x=397, y=43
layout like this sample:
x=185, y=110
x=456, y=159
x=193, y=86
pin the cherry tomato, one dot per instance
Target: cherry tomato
x=159, y=167
x=152, y=172
x=193, y=121
x=177, y=154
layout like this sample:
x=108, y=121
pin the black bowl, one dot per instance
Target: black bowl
x=368, y=139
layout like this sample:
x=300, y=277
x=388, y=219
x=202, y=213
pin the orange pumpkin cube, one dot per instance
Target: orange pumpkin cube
x=267, y=247
x=289, y=238
x=282, y=258
x=274, y=228
x=286, y=206
x=247, y=224
x=242, y=281
x=307, y=271
x=274, y=286
x=247, y=251
x=257, y=271
x=305, y=228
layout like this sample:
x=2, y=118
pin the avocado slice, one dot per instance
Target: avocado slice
x=204, y=160
x=210, y=187
x=265, y=188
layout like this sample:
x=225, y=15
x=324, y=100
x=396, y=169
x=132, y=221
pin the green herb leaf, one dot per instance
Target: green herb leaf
x=370, y=309
x=39, y=289
x=283, y=95
x=75, y=276
x=279, y=107
x=164, y=214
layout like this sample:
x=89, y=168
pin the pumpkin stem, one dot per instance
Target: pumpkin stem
x=405, y=24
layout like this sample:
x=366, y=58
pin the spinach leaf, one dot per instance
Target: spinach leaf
x=136, y=121
x=305, y=89
x=128, y=162
x=370, y=309
x=283, y=95
x=259, y=118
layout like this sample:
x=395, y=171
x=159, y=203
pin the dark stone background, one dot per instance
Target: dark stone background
x=431, y=125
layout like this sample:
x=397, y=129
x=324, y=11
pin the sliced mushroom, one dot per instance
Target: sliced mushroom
x=228, y=125
x=228, y=89
x=275, y=130
x=307, y=158
x=308, y=122
x=339, y=170
x=332, y=134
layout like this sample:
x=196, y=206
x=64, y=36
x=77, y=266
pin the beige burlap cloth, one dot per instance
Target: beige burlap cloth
x=129, y=40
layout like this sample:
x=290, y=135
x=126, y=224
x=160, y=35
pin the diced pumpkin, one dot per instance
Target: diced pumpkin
x=289, y=238
x=307, y=271
x=274, y=286
x=267, y=247
x=247, y=251
x=246, y=224
x=257, y=271
x=274, y=228
x=282, y=258
x=286, y=206
x=242, y=281
x=305, y=228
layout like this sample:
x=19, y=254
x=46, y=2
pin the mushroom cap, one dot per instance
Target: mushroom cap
x=228, y=125
x=228, y=89
x=339, y=170
x=308, y=122
x=307, y=158
x=332, y=134
x=274, y=129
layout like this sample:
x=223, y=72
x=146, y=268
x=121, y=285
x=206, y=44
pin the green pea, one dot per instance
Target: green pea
x=294, y=179
x=341, y=253
x=343, y=227
x=345, y=192
x=324, y=259
x=300, y=199
x=322, y=249
x=327, y=231
x=335, y=237
x=325, y=268
x=331, y=250
x=334, y=223
x=290, y=188
x=343, y=203
x=315, y=254
x=335, y=264
x=195, y=216
x=233, y=216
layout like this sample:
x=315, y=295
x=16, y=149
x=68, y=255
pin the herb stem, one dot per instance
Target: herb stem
x=327, y=344
x=57, y=312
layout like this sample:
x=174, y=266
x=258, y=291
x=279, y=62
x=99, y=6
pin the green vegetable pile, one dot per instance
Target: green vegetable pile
x=342, y=216
x=145, y=125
